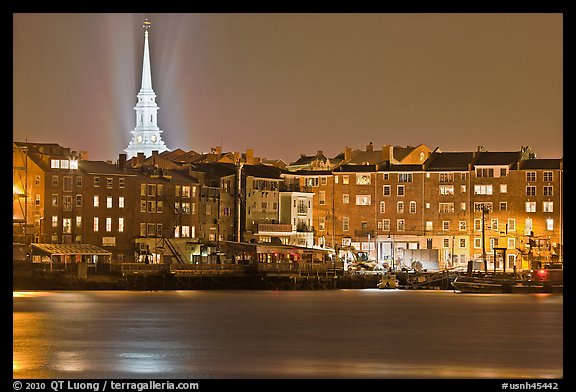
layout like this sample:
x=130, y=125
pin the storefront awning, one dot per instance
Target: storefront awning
x=70, y=249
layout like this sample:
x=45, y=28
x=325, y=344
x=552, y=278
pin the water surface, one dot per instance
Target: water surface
x=287, y=334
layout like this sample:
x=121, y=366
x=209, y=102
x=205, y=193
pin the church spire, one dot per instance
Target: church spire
x=146, y=135
x=146, y=73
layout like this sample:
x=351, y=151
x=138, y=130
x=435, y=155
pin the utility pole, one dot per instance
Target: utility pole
x=483, y=240
x=238, y=202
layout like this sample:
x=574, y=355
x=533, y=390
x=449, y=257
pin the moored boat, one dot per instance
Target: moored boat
x=388, y=281
x=543, y=280
x=484, y=284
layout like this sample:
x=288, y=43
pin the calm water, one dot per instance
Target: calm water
x=287, y=334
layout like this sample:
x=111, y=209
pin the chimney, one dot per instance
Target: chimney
x=249, y=156
x=387, y=152
x=347, y=153
x=140, y=159
x=370, y=147
x=122, y=161
x=320, y=152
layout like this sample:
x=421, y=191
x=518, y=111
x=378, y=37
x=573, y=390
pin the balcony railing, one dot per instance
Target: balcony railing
x=302, y=209
x=273, y=228
x=304, y=228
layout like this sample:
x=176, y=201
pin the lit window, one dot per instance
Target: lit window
x=121, y=202
x=185, y=191
x=530, y=206
x=66, y=225
x=446, y=190
x=96, y=201
x=363, y=200
x=362, y=179
x=482, y=189
x=109, y=202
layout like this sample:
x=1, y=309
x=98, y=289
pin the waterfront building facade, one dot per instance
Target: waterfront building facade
x=449, y=209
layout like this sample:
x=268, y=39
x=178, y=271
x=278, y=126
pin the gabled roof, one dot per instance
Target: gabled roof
x=215, y=169
x=439, y=161
x=360, y=157
x=496, y=158
x=308, y=159
x=174, y=155
x=263, y=171
x=187, y=157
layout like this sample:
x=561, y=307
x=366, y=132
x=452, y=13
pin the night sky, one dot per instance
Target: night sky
x=291, y=84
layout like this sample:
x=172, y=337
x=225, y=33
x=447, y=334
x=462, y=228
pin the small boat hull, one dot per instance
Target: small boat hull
x=388, y=281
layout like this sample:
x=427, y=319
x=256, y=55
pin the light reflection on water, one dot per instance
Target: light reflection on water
x=286, y=334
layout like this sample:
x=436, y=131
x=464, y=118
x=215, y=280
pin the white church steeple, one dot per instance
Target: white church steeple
x=146, y=134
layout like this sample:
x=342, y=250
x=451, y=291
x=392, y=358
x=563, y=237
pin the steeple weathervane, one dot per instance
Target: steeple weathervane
x=146, y=26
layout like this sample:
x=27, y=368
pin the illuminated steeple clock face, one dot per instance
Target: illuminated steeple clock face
x=139, y=139
x=153, y=138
